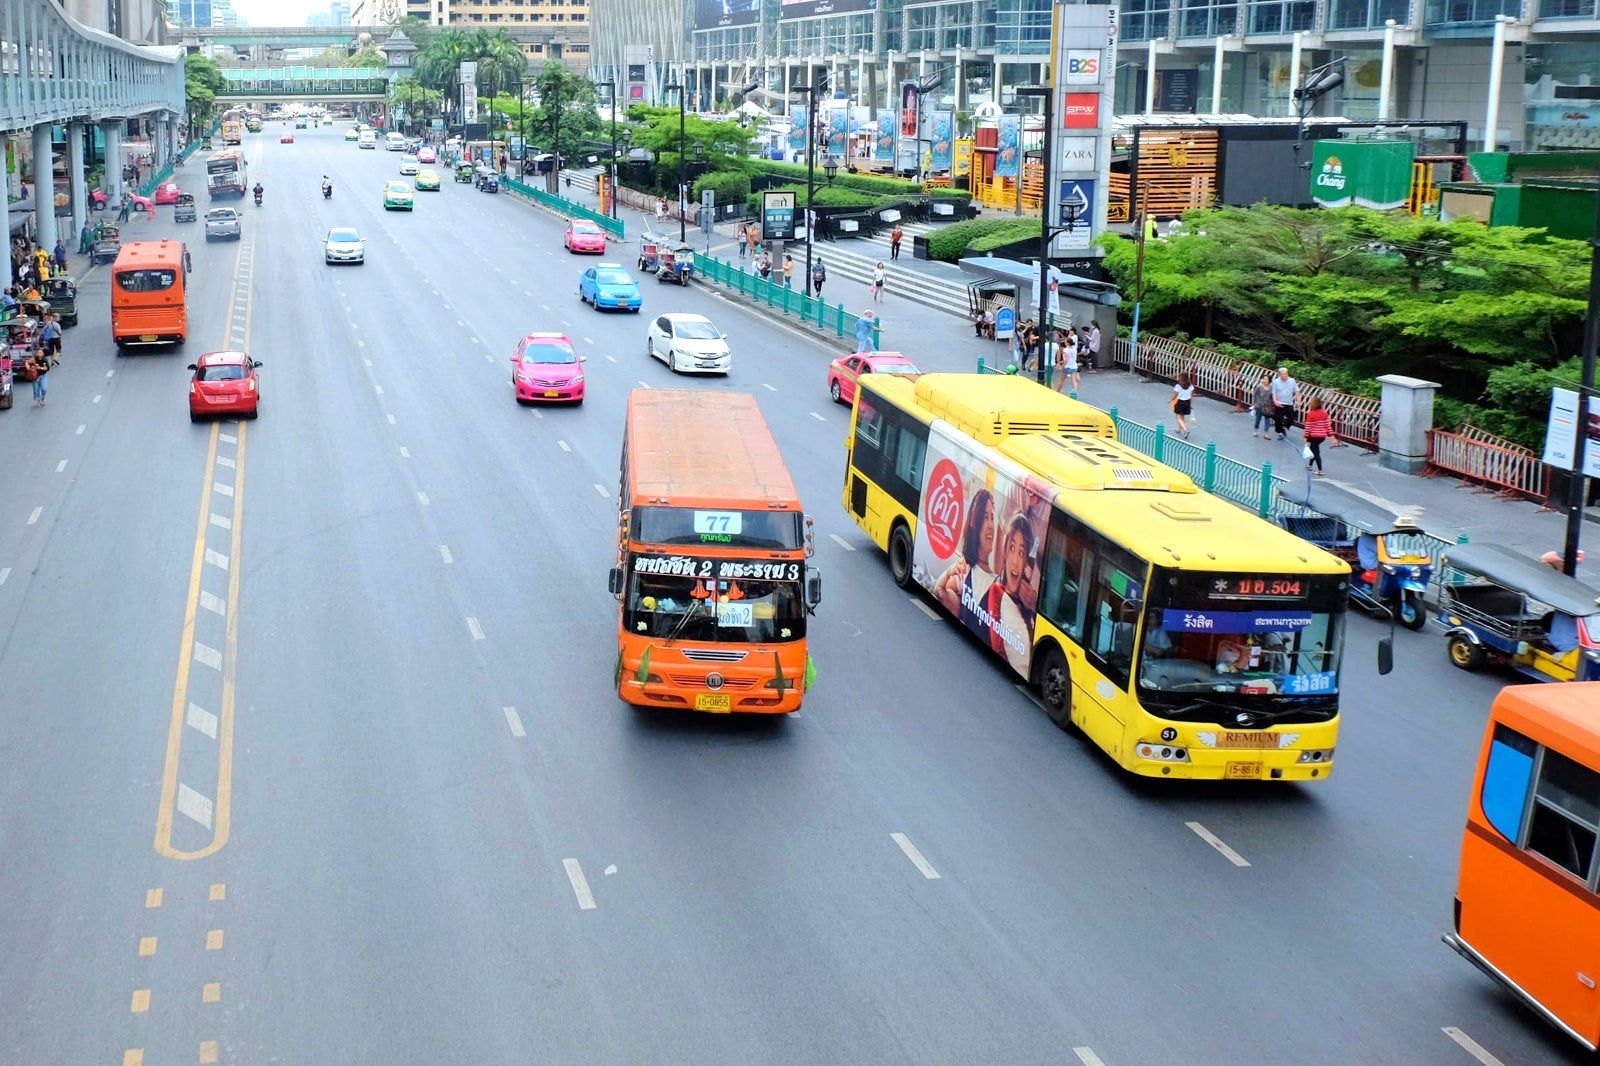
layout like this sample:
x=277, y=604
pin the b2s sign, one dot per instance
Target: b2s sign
x=1083, y=66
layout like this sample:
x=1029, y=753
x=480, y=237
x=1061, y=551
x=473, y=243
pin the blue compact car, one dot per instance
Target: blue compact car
x=607, y=285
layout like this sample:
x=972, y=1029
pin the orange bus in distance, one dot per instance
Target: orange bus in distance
x=712, y=581
x=1527, y=909
x=150, y=293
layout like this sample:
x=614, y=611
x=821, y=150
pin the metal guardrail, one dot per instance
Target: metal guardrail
x=811, y=311
x=612, y=226
x=1497, y=464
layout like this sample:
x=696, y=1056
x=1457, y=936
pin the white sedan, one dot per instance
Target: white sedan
x=343, y=245
x=408, y=164
x=689, y=344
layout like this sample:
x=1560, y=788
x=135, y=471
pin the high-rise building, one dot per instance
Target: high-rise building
x=548, y=29
x=191, y=12
x=319, y=18
x=339, y=13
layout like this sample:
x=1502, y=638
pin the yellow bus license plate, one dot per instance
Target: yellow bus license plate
x=1243, y=771
x=717, y=704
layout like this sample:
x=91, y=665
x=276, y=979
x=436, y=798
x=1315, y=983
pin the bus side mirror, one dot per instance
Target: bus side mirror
x=1385, y=655
x=813, y=590
x=614, y=581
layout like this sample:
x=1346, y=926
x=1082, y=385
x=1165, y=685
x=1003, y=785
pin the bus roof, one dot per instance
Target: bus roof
x=1158, y=512
x=993, y=407
x=137, y=255
x=1563, y=716
x=688, y=448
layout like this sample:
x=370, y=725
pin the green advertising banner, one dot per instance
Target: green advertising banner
x=1364, y=173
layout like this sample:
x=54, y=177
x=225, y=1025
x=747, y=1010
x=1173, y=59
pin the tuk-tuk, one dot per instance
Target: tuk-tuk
x=488, y=181
x=649, y=255
x=1391, y=562
x=61, y=296
x=183, y=209
x=1505, y=608
x=677, y=265
x=464, y=173
x=107, y=243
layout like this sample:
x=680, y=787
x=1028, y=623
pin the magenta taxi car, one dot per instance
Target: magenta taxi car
x=167, y=192
x=845, y=371
x=585, y=237
x=544, y=367
x=427, y=156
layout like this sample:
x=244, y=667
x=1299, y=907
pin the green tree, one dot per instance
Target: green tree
x=417, y=30
x=203, y=81
x=438, y=65
x=725, y=142
x=367, y=57
x=565, y=112
x=416, y=99
x=501, y=62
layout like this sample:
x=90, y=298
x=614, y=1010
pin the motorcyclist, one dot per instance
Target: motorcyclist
x=258, y=191
x=327, y=188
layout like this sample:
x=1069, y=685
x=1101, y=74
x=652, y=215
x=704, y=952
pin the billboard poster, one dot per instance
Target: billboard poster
x=1082, y=112
x=883, y=146
x=797, y=128
x=979, y=541
x=943, y=139
x=908, y=111
x=1076, y=154
x=1008, y=150
x=1078, y=192
x=838, y=121
x=469, y=91
x=799, y=9
x=1083, y=66
x=1375, y=174
x=714, y=14
x=777, y=215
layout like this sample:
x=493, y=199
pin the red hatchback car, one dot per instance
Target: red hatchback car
x=845, y=371
x=544, y=367
x=167, y=192
x=585, y=237
x=224, y=383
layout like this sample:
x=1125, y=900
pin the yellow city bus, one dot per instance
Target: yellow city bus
x=1527, y=909
x=712, y=582
x=1184, y=636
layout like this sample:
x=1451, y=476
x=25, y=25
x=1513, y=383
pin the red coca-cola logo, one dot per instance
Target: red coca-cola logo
x=942, y=509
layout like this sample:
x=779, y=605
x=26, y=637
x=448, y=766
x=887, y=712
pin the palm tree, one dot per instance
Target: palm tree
x=501, y=61
x=439, y=64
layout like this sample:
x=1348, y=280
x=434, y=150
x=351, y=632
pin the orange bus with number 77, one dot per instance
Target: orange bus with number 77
x=712, y=580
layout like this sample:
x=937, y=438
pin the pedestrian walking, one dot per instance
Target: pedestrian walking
x=1285, y=390
x=744, y=238
x=1261, y=408
x=1068, y=349
x=1182, y=395
x=85, y=240
x=60, y=256
x=879, y=276
x=788, y=270
x=661, y=211
x=752, y=236
x=819, y=274
x=1093, y=355
x=864, y=326
x=1318, y=428
x=895, y=236
x=50, y=340
x=37, y=370
x=125, y=210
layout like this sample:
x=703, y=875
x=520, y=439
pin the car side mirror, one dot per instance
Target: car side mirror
x=254, y=363
x=193, y=367
x=583, y=358
x=614, y=581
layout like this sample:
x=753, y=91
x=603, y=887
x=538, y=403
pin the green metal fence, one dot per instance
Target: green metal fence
x=776, y=295
x=560, y=206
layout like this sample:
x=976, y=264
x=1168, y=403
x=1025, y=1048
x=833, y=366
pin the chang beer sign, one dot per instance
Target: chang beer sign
x=1364, y=173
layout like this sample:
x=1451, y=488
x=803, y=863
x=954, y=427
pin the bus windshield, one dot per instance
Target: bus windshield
x=1243, y=634
x=672, y=607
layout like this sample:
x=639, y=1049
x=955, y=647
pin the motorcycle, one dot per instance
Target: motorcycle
x=258, y=197
x=327, y=192
x=1390, y=561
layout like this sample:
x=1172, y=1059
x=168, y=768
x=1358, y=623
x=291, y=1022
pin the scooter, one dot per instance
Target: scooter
x=327, y=192
x=258, y=199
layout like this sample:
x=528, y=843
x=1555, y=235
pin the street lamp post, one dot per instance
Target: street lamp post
x=811, y=168
x=612, y=169
x=1070, y=212
x=683, y=231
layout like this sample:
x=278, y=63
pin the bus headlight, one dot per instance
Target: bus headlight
x=1162, y=752
x=1315, y=755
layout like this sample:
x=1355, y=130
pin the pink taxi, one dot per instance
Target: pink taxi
x=544, y=367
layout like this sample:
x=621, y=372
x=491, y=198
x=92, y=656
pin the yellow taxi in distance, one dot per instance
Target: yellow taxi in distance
x=352, y=134
x=397, y=196
x=427, y=181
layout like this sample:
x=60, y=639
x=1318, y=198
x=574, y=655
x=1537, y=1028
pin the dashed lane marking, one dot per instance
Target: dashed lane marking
x=1211, y=838
x=221, y=521
x=223, y=460
x=80, y=430
x=444, y=553
x=194, y=806
x=769, y=388
x=5, y=572
x=206, y=655
x=214, y=604
x=422, y=498
x=216, y=559
x=1471, y=1046
x=62, y=465
x=110, y=372
x=96, y=398
x=202, y=720
x=514, y=720
x=405, y=453
x=915, y=856
x=916, y=601
x=1087, y=1057
x=37, y=511
x=846, y=545
x=818, y=417
x=221, y=489
x=474, y=628
x=391, y=420
x=580, y=884
x=601, y=489
x=563, y=445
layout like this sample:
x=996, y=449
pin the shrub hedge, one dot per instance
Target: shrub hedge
x=950, y=243
x=731, y=186
x=1005, y=232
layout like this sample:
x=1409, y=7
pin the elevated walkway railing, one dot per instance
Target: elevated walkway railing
x=569, y=208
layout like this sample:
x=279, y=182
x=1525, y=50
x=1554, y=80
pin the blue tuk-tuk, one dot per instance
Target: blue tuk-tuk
x=1508, y=609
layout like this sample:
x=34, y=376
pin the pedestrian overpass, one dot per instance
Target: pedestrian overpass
x=291, y=82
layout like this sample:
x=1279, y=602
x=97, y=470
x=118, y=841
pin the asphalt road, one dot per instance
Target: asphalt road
x=359, y=734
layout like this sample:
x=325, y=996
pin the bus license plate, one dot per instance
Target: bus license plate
x=1243, y=771
x=147, y=337
x=715, y=704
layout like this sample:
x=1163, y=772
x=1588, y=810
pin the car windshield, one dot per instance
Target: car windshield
x=399, y=186
x=220, y=372
x=408, y=159
x=585, y=227
x=149, y=280
x=549, y=353
x=742, y=612
x=221, y=214
x=343, y=236
x=695, y=329
x=613, y=277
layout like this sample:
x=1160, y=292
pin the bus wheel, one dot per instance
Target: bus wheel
x=1055, y=688
x=900, y=555
x=1464, y=653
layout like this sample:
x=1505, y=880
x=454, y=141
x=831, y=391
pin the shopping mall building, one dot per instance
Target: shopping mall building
x=979, y=50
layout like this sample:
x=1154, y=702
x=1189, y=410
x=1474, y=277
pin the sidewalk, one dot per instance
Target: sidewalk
x=942, y=340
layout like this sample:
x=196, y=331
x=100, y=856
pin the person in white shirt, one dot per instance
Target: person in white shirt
x=1068, y=347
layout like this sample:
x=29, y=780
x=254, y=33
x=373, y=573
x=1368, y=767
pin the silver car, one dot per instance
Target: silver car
x=344, y=245
x=224, y=222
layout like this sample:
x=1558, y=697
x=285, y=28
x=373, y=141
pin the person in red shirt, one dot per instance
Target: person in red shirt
x=1318, y=428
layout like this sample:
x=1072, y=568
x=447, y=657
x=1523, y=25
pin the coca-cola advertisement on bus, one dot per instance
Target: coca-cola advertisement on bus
x=979, y=539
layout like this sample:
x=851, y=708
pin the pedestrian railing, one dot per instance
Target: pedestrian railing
x=1355, y=418
x=569, y=208
x=1499, y=465
x=809, y=310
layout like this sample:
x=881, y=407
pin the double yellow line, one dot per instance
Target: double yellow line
x=222, y=807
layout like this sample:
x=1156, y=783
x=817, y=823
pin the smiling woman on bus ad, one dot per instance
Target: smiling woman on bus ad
x=1009, y=603
x=967, y=580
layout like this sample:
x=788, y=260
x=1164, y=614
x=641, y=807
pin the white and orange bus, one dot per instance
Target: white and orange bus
x=1527, y=909
x=712, y=580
